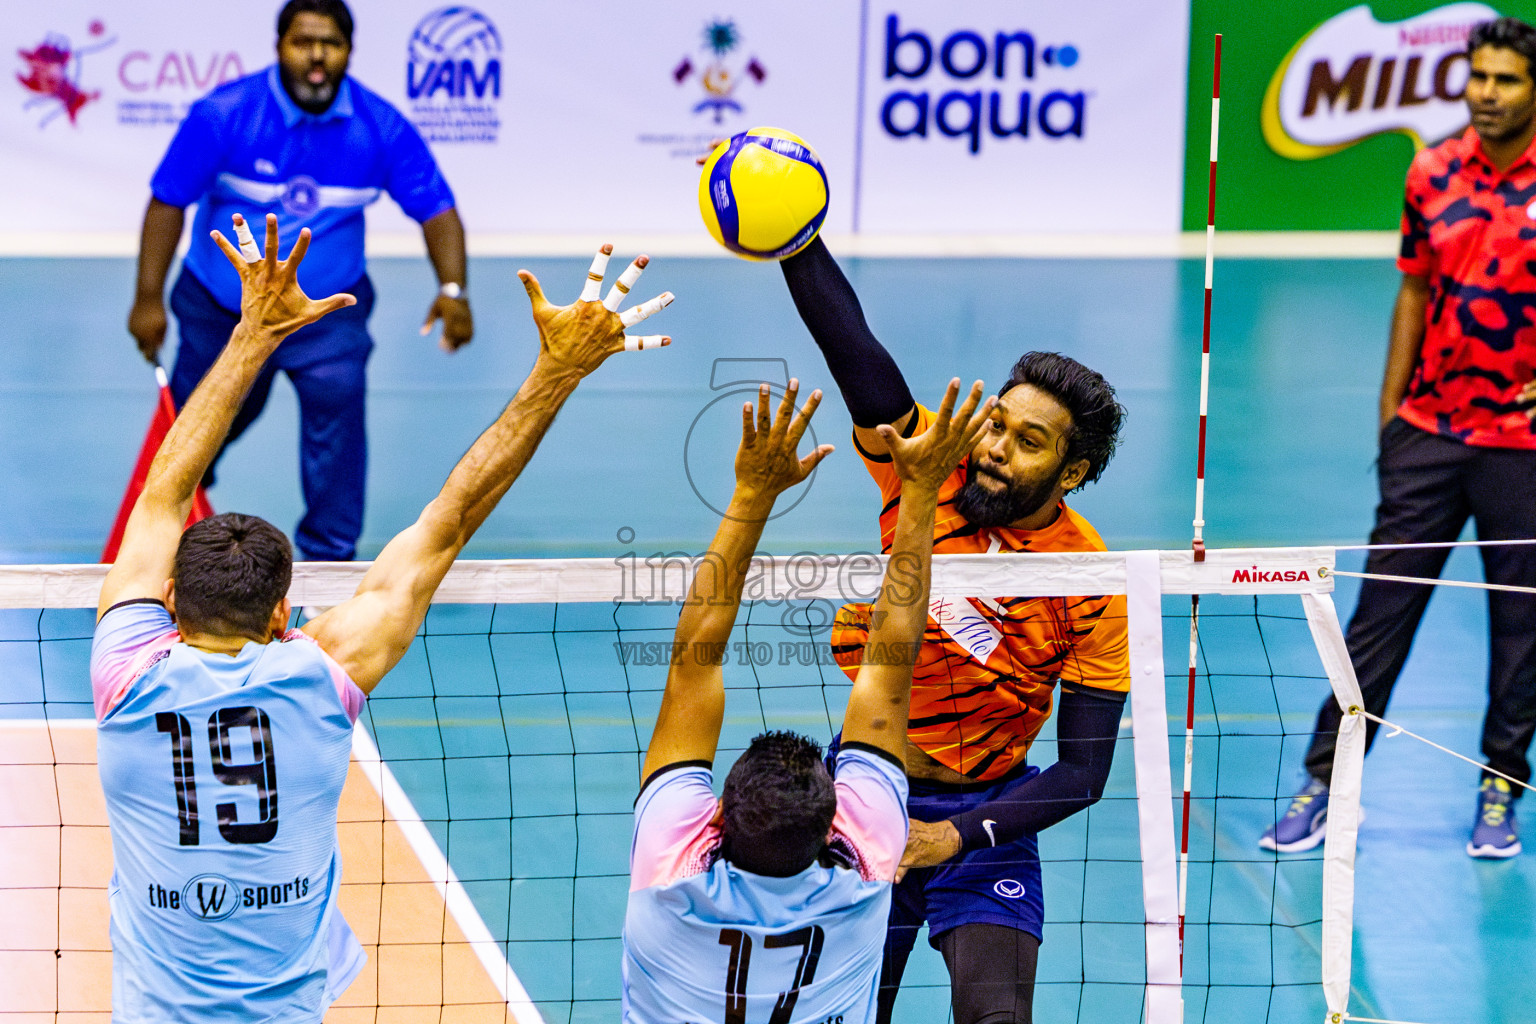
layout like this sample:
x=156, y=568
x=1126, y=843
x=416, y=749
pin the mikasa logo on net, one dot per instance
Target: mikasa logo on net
x=1353, y=77
x=1253, y=574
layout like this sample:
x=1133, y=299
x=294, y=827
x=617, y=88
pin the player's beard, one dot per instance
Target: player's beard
x=316, y=99
x=986, y=508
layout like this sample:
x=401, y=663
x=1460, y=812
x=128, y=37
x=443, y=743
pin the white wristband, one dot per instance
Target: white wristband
x=451, y=290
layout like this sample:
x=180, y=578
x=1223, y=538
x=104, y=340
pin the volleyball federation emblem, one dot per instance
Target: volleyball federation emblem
x=453, y=75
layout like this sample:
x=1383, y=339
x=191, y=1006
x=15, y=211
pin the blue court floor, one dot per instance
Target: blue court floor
x=471, y=722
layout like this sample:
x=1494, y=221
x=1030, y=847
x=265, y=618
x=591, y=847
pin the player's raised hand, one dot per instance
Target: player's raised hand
x=271, y=301
x=587, y=331
x=768, y=461
x=929, y=457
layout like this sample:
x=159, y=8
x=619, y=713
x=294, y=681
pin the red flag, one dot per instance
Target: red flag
x=159, y=426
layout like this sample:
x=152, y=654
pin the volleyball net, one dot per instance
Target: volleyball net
x=486, y=820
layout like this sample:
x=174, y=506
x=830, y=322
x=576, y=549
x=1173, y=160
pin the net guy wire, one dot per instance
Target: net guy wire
x=1465, y=584
x=1399, y=730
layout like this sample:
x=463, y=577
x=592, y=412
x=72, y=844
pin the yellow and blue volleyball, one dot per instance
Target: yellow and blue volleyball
x=763, y=194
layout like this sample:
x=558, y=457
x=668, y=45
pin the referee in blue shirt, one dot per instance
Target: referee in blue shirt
x=304, y=141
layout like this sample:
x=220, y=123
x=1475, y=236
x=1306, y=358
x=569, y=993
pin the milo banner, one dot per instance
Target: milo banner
x=1323, y=106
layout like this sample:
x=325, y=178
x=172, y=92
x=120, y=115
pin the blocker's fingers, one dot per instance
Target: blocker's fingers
x=978, y=423
x=968, y=407
x=764, y=417
x=300, y=247
x=534, y=289
x=625, y=282
x=947, y=406
x=246, y=239
x=786, y=410
x=635, y=314
x=271, y=253
x=812, y=460
x=748, y=432
x=645, y=341
x=802, y=420
x=340, y=300
x=232, y=254
x=593, y=289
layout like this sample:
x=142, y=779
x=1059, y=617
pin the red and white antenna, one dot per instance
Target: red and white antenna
x=1198, y=544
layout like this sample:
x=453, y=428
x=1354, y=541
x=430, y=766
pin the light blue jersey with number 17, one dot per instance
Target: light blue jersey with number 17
x=708, y=943
x=222, y=778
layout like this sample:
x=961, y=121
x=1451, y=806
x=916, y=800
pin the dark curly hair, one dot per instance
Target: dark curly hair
x=778, y=803
x=231, y=572
x=336, y=10
x=1509, y=34
x=1096, y=415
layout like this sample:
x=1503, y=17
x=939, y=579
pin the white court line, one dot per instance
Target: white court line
x=1381, y=245
x=448, y=885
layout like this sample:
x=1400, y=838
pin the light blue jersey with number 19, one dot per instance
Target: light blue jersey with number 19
x=222, y=778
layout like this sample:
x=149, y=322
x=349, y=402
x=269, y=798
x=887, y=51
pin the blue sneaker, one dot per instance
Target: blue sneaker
x=1494, y=836
x=1302, y=828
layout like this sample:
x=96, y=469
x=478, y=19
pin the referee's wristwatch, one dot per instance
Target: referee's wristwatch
x=452, y=290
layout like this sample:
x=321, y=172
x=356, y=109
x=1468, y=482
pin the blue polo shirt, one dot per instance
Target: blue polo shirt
x=248, y=148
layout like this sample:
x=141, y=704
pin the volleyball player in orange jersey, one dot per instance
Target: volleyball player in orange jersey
x=985, y=679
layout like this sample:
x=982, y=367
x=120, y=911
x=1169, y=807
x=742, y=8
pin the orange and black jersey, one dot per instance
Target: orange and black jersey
x=985, y=678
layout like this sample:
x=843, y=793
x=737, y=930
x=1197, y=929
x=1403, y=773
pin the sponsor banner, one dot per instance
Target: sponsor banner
x=1323, y=106
x=1353, y=77
x=552, y=120
x=94, y=93
x=996, y=117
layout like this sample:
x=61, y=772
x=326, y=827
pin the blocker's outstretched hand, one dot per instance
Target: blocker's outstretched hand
x=272, y=305
x=768, y=462
x=927, y=459
x=580, y=336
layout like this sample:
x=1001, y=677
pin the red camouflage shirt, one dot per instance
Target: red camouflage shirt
x=1471, y=230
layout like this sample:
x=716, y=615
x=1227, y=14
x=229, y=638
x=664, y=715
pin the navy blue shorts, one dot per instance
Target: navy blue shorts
x=995, y=885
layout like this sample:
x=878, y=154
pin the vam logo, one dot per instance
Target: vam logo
x=210, y=898
x=453, y=76
x=1353, y=77
x=975, y=83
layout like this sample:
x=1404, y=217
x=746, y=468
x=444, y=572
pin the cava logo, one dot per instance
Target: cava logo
x=1353, y=77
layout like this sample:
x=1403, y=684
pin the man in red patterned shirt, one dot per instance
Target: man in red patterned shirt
x=1457, y=438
